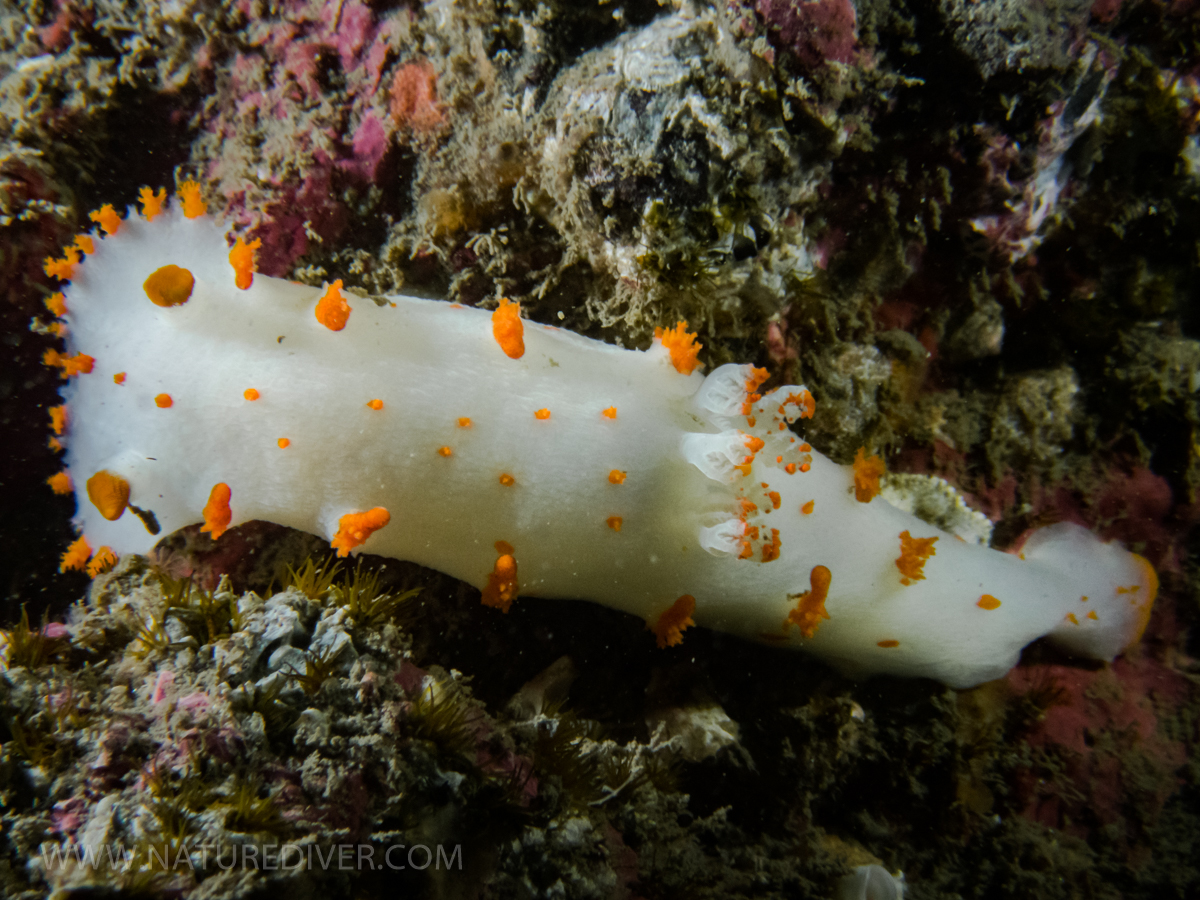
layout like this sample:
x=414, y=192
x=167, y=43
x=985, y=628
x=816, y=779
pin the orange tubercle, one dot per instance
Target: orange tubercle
x=464, y=422
x=501, y=588
x=251, y=394
x=104, y=560
x=682, y=345
x=60, y=482
x=119, y=378
x=169, y=286
x=775, y=499
x=790, y=468
x=507, y=480
x=988, y=602
x=888, y=644
x=76, y=556
x=610, y=413
x=109, y=493
x=62, y=269
x=614, y=522
x=375, y=404
x=810, y=606
x=241, y=257
x=58, y=418
x=193, y=204
x=332, y=309
x=808, y=507
x=445, y=451
x=57, y=304
x=913, y=554
x=542, y=414
x=69, y=366
x=152, y=203
x=616, y=476
x=106, y=217
x=283, y=443
x=163, y=401
x=355, y=528
x=867, y=472
x=507, y=328
x=217, y=514
x=669, y=627
x=804, y=467
x=770, y=550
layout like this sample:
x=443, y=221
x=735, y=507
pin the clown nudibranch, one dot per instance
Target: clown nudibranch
x=523, y=460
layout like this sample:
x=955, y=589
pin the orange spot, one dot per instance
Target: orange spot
x=808, y=507
x=770, y=550
x=804, y=467
x=779, y=459
x=85, y=243
x=754, y=444
x=109, y=493
x=283, y=443
x=616, y=476
x=106, y=217
x=751, y=421
x=507, y=328
x=62, y=269
x=119, y=378
x=790, y=468
x=375, y=404
x=810, y=606
x=672, y=623
x=614, y=522
x=1070, y=617
x=775, y=499
x=913, y=554
x=445, y=451
x=193, y=204
x=464, y=422
x=1092, y=615
x=54, y=444
x=104, y=560
x=163, y=401
x=58, y=418
x=987, y=601
x=57, y=304
x=251, y=394
x=501, y=588
x=507, y=480
x=60, y=483
x=867, y=472
x=542, y=414
x=888, y=644
x=332, y=309
x=241, y=257
x=610, y=413
x=76, y=556
x=756, y=380
x=355, y=528
x=152, y=203
x=682, y=345
x=169, y=286
x=217, y=514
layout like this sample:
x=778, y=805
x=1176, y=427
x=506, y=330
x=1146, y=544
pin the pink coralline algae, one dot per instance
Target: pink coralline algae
x=816, y=31
x=280, y=150
x=1104, y=737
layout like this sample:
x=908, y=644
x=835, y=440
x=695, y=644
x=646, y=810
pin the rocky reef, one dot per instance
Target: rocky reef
x=972, y=229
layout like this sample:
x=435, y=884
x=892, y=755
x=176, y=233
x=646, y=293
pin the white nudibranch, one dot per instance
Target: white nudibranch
x=523, y=460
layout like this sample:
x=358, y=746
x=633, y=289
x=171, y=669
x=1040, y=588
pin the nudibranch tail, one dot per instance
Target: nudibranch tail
x=200, y=391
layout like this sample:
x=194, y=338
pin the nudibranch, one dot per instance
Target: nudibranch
x=524, y=460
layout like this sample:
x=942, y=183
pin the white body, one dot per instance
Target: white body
x=432, y=363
